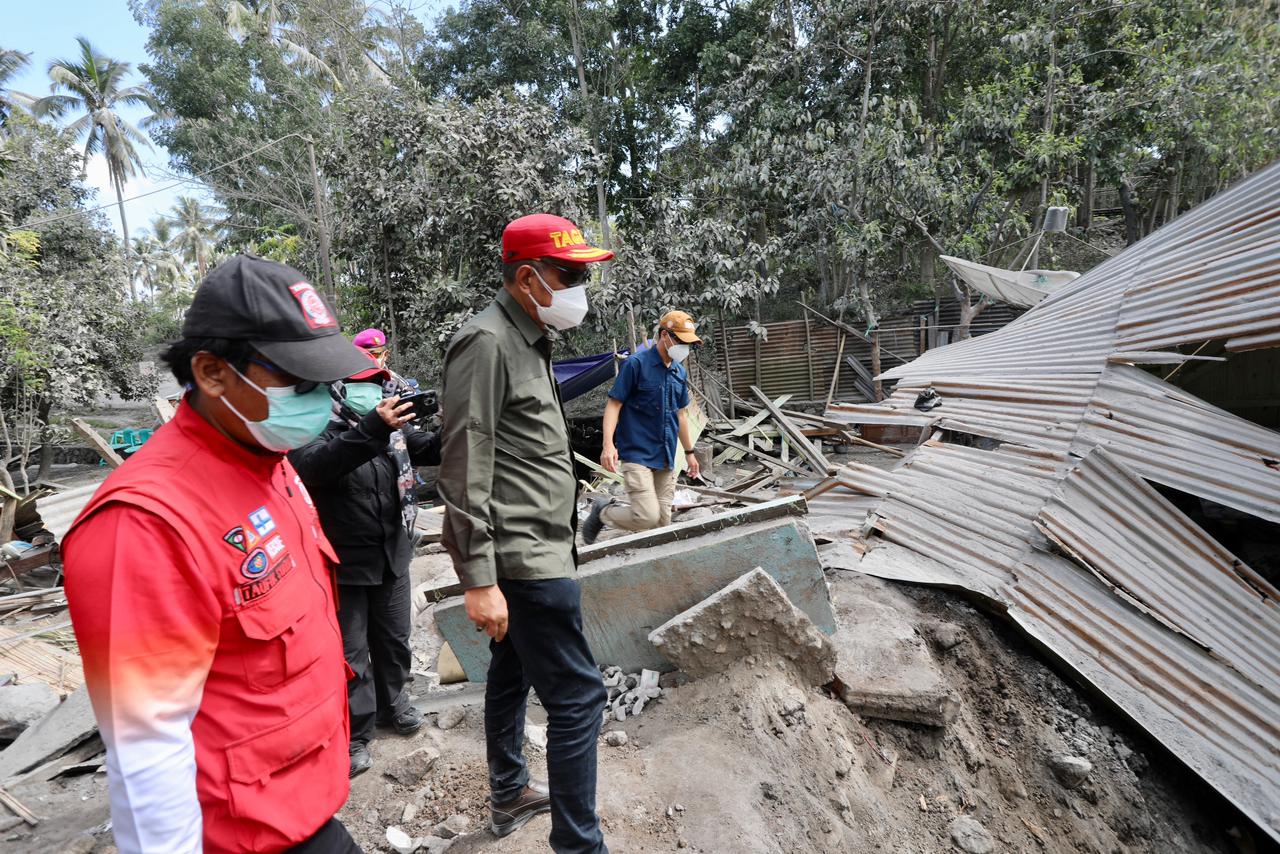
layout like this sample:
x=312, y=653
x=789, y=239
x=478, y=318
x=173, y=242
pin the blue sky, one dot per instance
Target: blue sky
x=48, y=31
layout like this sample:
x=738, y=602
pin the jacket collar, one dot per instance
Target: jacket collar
x=202, y=433
x=519, y=317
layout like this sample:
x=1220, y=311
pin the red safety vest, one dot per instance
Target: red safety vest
x=271, y=734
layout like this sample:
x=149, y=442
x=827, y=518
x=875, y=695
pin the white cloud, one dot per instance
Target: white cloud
x=140, y=211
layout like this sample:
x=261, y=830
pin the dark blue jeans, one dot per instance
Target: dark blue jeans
x=545, y=648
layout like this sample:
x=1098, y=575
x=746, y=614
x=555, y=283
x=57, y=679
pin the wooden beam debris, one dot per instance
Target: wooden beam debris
x=796, y=437
x=99, y=444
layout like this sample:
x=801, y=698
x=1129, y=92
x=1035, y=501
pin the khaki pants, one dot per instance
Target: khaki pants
x=650, y=492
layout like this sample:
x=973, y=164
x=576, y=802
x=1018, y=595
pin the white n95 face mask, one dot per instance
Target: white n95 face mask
x=678, y=352
x=568, y=307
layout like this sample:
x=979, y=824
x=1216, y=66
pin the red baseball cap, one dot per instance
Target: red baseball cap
x=546, y=236
x=373, y=372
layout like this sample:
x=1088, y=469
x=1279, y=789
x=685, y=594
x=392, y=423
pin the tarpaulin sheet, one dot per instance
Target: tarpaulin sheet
x=578, y=376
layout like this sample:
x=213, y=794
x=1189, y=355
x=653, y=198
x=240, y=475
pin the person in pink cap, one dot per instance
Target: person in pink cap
x=374, y=342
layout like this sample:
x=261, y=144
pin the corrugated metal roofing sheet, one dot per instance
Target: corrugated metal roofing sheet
x=1148, y=608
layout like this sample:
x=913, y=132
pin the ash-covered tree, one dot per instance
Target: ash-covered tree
x=67, y=335
x=425, y=189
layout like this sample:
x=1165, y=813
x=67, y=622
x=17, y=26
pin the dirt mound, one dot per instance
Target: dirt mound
x=750, y=762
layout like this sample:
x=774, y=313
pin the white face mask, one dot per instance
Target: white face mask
x=678, y=352
x=568, y=307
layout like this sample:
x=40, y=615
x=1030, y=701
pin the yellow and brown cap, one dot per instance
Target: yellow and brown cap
x=681, y=325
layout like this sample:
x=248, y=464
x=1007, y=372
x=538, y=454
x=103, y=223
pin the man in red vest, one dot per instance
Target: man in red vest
x=201, y=590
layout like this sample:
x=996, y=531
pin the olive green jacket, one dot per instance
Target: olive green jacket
x=506, y=474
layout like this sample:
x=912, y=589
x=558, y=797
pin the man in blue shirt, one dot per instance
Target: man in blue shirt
x=645, y=417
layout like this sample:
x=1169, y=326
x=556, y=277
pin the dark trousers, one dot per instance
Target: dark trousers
x=331, y=838
x=545, y=648
x=376, y=620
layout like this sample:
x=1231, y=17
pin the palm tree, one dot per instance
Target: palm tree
x=11, y=62
x=198, y=230
x=270, y=20
x=91, y=86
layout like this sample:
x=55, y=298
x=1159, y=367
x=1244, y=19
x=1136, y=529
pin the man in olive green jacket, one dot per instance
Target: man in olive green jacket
x=508, y=486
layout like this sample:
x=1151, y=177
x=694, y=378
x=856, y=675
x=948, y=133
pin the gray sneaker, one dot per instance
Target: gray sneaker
x=591, y=527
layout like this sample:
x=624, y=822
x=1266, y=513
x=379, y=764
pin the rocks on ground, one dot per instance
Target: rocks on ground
x=450, y=717
x=1071, y=771
x=971, y=837
x=409, y=768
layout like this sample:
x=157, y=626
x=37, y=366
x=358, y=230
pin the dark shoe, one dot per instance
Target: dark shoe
x=591, y=527
x=361, y=761
x=506, y=818
x=407, y=722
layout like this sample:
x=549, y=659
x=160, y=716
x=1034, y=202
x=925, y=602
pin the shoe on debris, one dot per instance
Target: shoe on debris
x=506, y=818
x=361, y=761
x=928, y=399
x=591, y=527
x=407, y=722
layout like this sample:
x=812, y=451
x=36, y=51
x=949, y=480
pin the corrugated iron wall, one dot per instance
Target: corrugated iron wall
x=800, y=355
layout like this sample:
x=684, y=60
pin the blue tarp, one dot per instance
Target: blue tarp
x=578, y=376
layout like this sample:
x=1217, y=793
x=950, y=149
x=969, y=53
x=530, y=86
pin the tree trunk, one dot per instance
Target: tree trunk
x=1085, y=218
x=875, y=365
x=1131, y=217
x=1047, y=127
x=602, y=202
x=8, y=507
x=969, y=313
x=124, y=226
x=46, y=448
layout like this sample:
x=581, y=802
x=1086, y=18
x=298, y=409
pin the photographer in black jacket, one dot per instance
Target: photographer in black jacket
x=360, y=473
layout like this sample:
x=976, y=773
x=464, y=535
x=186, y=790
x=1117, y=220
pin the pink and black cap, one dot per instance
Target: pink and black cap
x=275, y=309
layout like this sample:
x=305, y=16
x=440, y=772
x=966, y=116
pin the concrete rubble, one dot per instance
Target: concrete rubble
x=750, y=617
x=23, y=705
x=628, y=693
x=409, y=768
x=885, y=669
x=59, y=731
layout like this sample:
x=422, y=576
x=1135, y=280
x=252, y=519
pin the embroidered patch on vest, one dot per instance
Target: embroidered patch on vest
x=236, y=539
x=262, y=522
x=255, y=564
x=260, y=587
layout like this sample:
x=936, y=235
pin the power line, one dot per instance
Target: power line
x=197, y=177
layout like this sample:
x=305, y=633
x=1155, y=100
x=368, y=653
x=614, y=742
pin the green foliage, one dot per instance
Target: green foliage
x=425, y=189
x=750, y=153
x=65, y=332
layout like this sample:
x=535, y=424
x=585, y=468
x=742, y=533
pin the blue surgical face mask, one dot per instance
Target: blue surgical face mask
x=292, y=419
x=362, y=397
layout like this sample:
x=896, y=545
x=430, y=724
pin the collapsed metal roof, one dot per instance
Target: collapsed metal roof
x=1056, y=519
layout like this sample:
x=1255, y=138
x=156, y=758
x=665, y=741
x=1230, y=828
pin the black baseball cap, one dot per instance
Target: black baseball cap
x=274, y=308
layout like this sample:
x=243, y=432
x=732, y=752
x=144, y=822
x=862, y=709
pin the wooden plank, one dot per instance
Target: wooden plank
x=863, y=380
x=99, y=444
x=760, y=455
x=598, y=469
x=164, y=409
x=724, y=493
x=798, y=439
x=747, y=426
x=17, y=807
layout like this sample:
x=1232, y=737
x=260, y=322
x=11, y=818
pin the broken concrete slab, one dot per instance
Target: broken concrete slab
x=750, y=617
x=885, y=669
x=23, y=705
x=53, y=735
x=627, y=594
